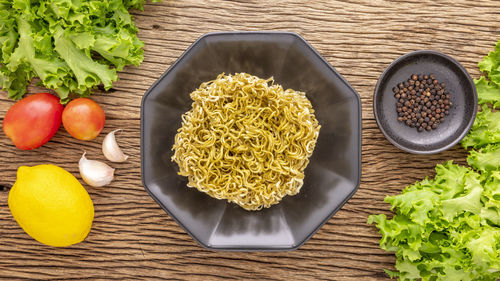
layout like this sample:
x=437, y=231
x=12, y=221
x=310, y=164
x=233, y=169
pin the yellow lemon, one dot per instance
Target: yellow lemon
x=51, y=205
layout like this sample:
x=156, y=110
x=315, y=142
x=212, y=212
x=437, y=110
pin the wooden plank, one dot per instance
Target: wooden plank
x=132, y=238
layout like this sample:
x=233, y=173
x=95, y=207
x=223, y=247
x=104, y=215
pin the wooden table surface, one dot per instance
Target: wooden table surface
x=132, y=237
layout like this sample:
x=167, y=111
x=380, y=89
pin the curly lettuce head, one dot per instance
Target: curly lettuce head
x=446, y=228
x=72, y=46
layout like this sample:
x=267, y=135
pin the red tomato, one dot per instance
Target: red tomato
x=83, y=118
x=33, y=121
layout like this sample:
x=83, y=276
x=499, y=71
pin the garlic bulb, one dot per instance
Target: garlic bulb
x=95, y=173
x=111, y=150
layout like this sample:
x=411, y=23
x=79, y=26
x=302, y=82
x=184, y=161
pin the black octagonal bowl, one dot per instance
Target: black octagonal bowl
x=462, y=112
x=333, y=174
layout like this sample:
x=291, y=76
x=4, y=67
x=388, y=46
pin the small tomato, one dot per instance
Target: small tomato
x=83, y=118
x=33, y=121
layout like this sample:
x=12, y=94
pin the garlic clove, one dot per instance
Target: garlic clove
x=95, y=173
x=111, y=150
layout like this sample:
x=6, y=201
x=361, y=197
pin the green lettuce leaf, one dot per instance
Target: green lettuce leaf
x=486, y=129
x=471, y=202
x=487, y=92
x=491, y=199
x=88, y=73
x=491, y=65
x=486, y=159
x=52, y=71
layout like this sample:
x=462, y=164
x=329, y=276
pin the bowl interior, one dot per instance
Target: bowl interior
x=455, y=125
x=331, y=177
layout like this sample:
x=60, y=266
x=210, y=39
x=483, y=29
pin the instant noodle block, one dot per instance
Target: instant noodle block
x=246, y=140
x=299, y=188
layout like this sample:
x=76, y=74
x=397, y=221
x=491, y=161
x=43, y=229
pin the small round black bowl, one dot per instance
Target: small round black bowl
x=463, y=97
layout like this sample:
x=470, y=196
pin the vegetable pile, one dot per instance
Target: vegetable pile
x=448, y=228
x=72, y=46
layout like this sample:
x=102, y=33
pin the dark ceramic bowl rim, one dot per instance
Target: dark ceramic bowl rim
x=243, y=249
x=376, y=93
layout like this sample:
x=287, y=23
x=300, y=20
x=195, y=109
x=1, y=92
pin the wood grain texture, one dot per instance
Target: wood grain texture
x=133, y=239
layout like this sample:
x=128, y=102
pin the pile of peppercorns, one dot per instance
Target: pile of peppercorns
x=422, y=102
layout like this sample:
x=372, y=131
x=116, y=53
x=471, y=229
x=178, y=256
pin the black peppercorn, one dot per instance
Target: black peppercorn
x=422, y=102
